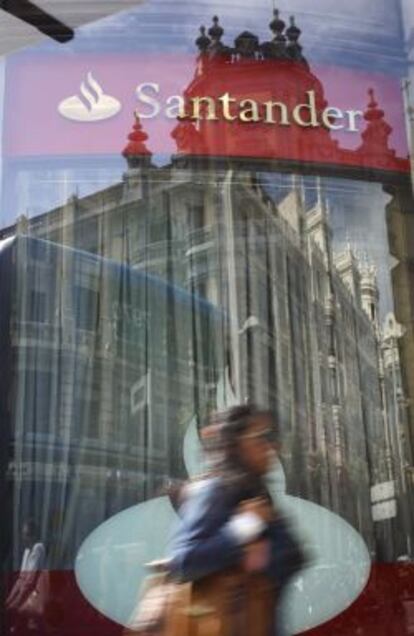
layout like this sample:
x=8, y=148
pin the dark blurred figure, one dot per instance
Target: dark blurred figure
x=26, y=601
x=228, y=522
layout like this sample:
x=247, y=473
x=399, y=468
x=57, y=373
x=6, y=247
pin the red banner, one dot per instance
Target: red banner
x=84, y=105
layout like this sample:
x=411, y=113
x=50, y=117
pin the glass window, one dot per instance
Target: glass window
x=193, y=218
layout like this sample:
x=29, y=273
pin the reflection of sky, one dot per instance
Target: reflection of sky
x=359, y=33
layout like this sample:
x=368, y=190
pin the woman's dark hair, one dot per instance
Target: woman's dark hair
x=221, y=437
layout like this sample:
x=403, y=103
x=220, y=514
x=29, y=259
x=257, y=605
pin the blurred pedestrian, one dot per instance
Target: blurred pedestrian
x=228, y=522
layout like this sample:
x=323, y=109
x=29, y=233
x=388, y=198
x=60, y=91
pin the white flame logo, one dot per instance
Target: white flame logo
x=91, y=105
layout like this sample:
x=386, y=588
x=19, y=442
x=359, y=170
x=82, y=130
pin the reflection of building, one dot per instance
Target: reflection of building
x=101, y=382
x=302, y=330
x=298, y=323
x=395, y=405
x=400, y=231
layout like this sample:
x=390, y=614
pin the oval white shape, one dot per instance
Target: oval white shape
x=109, y=566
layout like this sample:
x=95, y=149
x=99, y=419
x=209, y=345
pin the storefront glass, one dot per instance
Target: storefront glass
x=193, y=218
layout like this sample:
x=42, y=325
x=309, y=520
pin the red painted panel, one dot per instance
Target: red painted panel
x=385, y=608
x=37, y=85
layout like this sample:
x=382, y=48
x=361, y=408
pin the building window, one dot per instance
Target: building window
x=86, y=308
x=37, y=307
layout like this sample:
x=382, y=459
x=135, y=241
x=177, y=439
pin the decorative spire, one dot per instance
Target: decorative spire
x=203, y=42
x=293, y=32
x=375, y=148
x=277, y=26
x=293, y=47
x=373, y=113
x=216, y=31
x=135, y=152
x=348, y=246
x=376, y=135
x=276, y=49
x=216, y=47
x=319, y=195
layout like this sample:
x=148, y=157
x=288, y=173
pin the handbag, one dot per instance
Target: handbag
x=223, y=604
x=149, y=615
